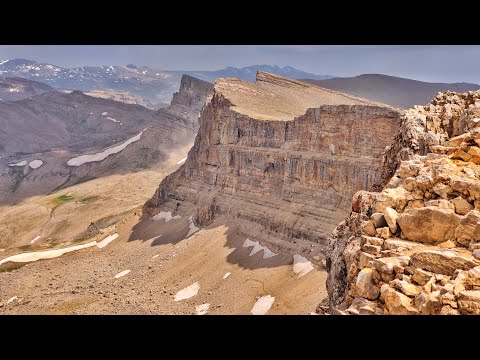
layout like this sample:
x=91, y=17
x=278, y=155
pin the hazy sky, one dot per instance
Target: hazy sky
x=446, y=63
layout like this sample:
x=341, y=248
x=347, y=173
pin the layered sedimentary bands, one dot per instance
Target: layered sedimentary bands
x=281, y=159
x=414, y=247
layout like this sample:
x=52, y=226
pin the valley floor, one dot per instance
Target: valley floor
x=146, y=270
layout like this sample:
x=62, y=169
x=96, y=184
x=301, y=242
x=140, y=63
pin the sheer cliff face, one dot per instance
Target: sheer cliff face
x=414, y=247
x=281, y=159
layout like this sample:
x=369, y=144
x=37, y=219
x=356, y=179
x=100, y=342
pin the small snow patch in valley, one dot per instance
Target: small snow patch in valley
x=192, y=227
x=226, y=275
x=202, y=309
x=167, y=215
x=123, y=273
x=188, y=292
x=107, y=240
x=80, y=160
x=267, y=253
x=35, y=164
x=34, y=240
x=301, y=266
x=262, y=305
x=104, y=113
x=21, y=163
x=182, y=161
x=112, y=119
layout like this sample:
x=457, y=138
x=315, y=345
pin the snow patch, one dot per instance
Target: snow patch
x=112, y=119
x=301, y=266
x=104, y=113
x=182, y=161
x=46, y=254
x=34, y=240
x=21, y=163
x=35, y=164
x=192, y=227
x=226, y=275
x=188, y=292
x=82, y=159
x=167, y=215
x=202, y=309
x=267, y=253
x=122, y=273
x=3, y=62
x=262, y=305
x=107, y=240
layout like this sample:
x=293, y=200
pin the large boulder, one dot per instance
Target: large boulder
x=429, y=224
x=469, y=229
x=469, y=302
x=444, y=261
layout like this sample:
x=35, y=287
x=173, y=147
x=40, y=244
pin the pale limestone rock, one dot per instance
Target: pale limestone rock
x=443, y=261
x=462, y=206
x=440, y=222
x=473, y=277
x=397, y=244
x=469, y=228
x=407, y=288
x=371, y=240
x=368, y=228
x=365, y=286
x=391, y=218
x=371, y=249
x=447, y=245
x=361, y=306
x=428, y=303
x=447, y=310
x=384, y=232
x=476, y=254
x=449, y=299
x=442, y=190
x=421, y=277
x=378, y=220
x=396, y=303
x=440, y=203
x=364, y=259
x=469, y=302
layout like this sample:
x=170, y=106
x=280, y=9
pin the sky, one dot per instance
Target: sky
x=434, y=63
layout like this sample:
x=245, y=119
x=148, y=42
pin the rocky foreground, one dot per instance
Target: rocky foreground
x=414, y=247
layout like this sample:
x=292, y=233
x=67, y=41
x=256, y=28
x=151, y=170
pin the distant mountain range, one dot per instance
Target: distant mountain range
x=153, y=86
x=391, y=90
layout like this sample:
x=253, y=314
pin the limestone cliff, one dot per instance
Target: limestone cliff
x=414, y=247
x=281, y=159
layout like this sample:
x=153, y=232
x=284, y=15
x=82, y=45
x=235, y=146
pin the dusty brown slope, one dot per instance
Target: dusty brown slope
x=14, y=88
x=283, y=174
x=395, y=91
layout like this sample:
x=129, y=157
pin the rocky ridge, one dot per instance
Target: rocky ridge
x=414, y=247
x=281, y=159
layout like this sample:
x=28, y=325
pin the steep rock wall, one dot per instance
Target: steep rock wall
x=414, y=247
x=286, y=183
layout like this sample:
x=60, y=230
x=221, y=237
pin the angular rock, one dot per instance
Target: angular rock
x=428, y=304
x=384, y=232
x=469, y=302
x=386, y=265
x=440, y=222
x=440, y=203
x=462, y=206
x=371, y=240
x=469, y=229
x=448, y=310
x=396, y=303
x=368, y=228
x=361, y=306
x=421, y=276
x=473, y=278
x=449, y=299
x=443, y=261
x=397, y=244
x=391, y=218
x=476, y=254
x=371, y=249
x=364, y=259
x=447, y=245
x=378, y=220
x=365, y=286
x=406, y=288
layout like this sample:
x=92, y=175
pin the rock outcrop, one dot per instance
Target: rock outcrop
x=281, y=159
x=413, y=247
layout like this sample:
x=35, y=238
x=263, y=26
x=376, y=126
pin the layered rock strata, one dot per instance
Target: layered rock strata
x=414, y=247
x=281, y=159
